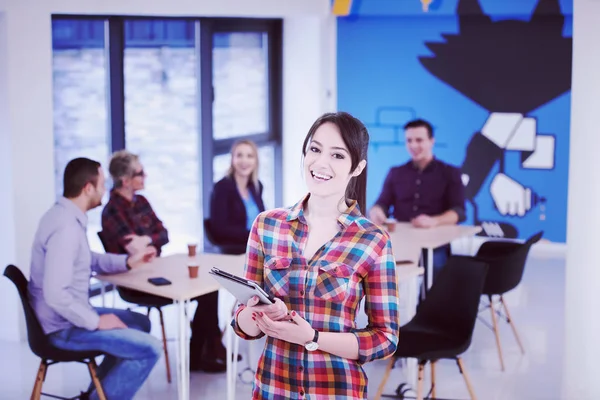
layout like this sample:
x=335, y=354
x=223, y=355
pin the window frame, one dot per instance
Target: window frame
x=204, y=29
x=212, y=147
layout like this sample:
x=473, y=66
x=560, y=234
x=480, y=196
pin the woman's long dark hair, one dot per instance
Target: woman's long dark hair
x=356, y=138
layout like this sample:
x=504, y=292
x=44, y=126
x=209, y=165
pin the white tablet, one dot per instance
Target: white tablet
x=243, y=289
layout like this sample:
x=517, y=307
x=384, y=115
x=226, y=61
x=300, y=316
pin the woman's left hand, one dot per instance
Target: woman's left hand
x=296, y=330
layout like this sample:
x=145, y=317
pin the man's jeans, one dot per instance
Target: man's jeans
x=130, y=353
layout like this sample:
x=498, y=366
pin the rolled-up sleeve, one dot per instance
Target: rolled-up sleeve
x=456, y=194
x=386, y=198
x=59, y=265
x=380, y=338
x=254, y=271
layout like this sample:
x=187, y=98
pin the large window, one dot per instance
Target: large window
x=161, y=114
x=178, y=92
x=80, y=96
x=241, y=84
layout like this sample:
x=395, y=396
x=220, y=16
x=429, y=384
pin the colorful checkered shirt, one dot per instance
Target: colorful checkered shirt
x=327, y=291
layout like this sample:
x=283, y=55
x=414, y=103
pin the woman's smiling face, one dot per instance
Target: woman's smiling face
x=327, y=162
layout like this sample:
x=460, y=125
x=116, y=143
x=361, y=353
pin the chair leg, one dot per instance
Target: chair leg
x=386, y=376
x=432, y=366
x=97, y=384
x=512, y=325
x=164, y=339
x=463, y=372
x=420, y=380
x=36, y=394
x=496, y=332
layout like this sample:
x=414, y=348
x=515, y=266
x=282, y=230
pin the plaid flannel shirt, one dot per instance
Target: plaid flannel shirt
x=121, y=217
x=327, y=291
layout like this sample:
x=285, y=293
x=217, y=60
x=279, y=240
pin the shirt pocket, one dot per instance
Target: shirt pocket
x=332, y=281
x=277, y=275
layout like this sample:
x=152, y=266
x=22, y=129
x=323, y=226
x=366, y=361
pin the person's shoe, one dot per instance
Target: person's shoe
x=221, y=351
x=211, y=366
x=84, y=396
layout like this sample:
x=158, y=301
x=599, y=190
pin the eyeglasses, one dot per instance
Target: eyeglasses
x=138, y=173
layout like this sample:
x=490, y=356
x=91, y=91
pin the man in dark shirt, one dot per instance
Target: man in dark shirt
x=425, y=191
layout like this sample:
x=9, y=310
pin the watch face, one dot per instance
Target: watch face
x=311, y=346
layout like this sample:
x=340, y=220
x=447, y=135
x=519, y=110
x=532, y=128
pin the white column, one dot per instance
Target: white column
x=7, y=226
x=582, y=297
x=26, y=143
x=309, y=90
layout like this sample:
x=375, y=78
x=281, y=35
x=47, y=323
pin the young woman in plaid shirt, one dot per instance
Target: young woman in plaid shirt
x=321, y=258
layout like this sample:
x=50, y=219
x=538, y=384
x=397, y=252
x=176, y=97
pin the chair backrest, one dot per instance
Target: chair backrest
x=38, y=341
x=452, y=303
x=507, y=263
x=209, y=232
x=101, y=237
x=223, y=248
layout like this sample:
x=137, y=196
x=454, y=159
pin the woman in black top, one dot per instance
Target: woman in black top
x=236, y=200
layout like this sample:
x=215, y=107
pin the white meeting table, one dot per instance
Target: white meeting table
x=182, y=289
x=406, y=236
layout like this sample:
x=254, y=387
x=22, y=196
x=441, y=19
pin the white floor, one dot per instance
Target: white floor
x=536, y=306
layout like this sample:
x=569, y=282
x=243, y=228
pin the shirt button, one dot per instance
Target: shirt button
x=418, y=182
x=415, y=208
x=301, y=392
x=302, y=293
x=301, y=368
x=417, y=195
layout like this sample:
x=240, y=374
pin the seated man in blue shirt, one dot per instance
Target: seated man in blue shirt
x=425, y=191
x=61, y=266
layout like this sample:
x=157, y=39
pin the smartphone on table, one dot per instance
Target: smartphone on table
x=159, y=281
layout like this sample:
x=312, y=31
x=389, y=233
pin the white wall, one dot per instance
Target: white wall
x=582, y=326
x=7, y=242
x=308, y=87
x=26, y=122
x=27, y=112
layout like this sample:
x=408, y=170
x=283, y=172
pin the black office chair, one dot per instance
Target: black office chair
x=149, y=302
x=208, y=231
x=443, y=325
x=507, y=264
x=224, y=248
x=43, y=348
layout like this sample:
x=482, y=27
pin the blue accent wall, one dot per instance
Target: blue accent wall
x=382, y=79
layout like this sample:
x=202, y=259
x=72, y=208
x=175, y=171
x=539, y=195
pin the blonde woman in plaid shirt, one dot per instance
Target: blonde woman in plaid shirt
x=321, y=258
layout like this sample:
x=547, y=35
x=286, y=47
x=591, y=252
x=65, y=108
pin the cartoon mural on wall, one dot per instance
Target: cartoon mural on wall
x=492, y=77
x=502, y=66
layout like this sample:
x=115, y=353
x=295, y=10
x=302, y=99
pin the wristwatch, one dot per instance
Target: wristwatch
x=312, y=345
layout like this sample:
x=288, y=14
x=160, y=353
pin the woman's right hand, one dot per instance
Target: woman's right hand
x=277, y=311
x=246, y=319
